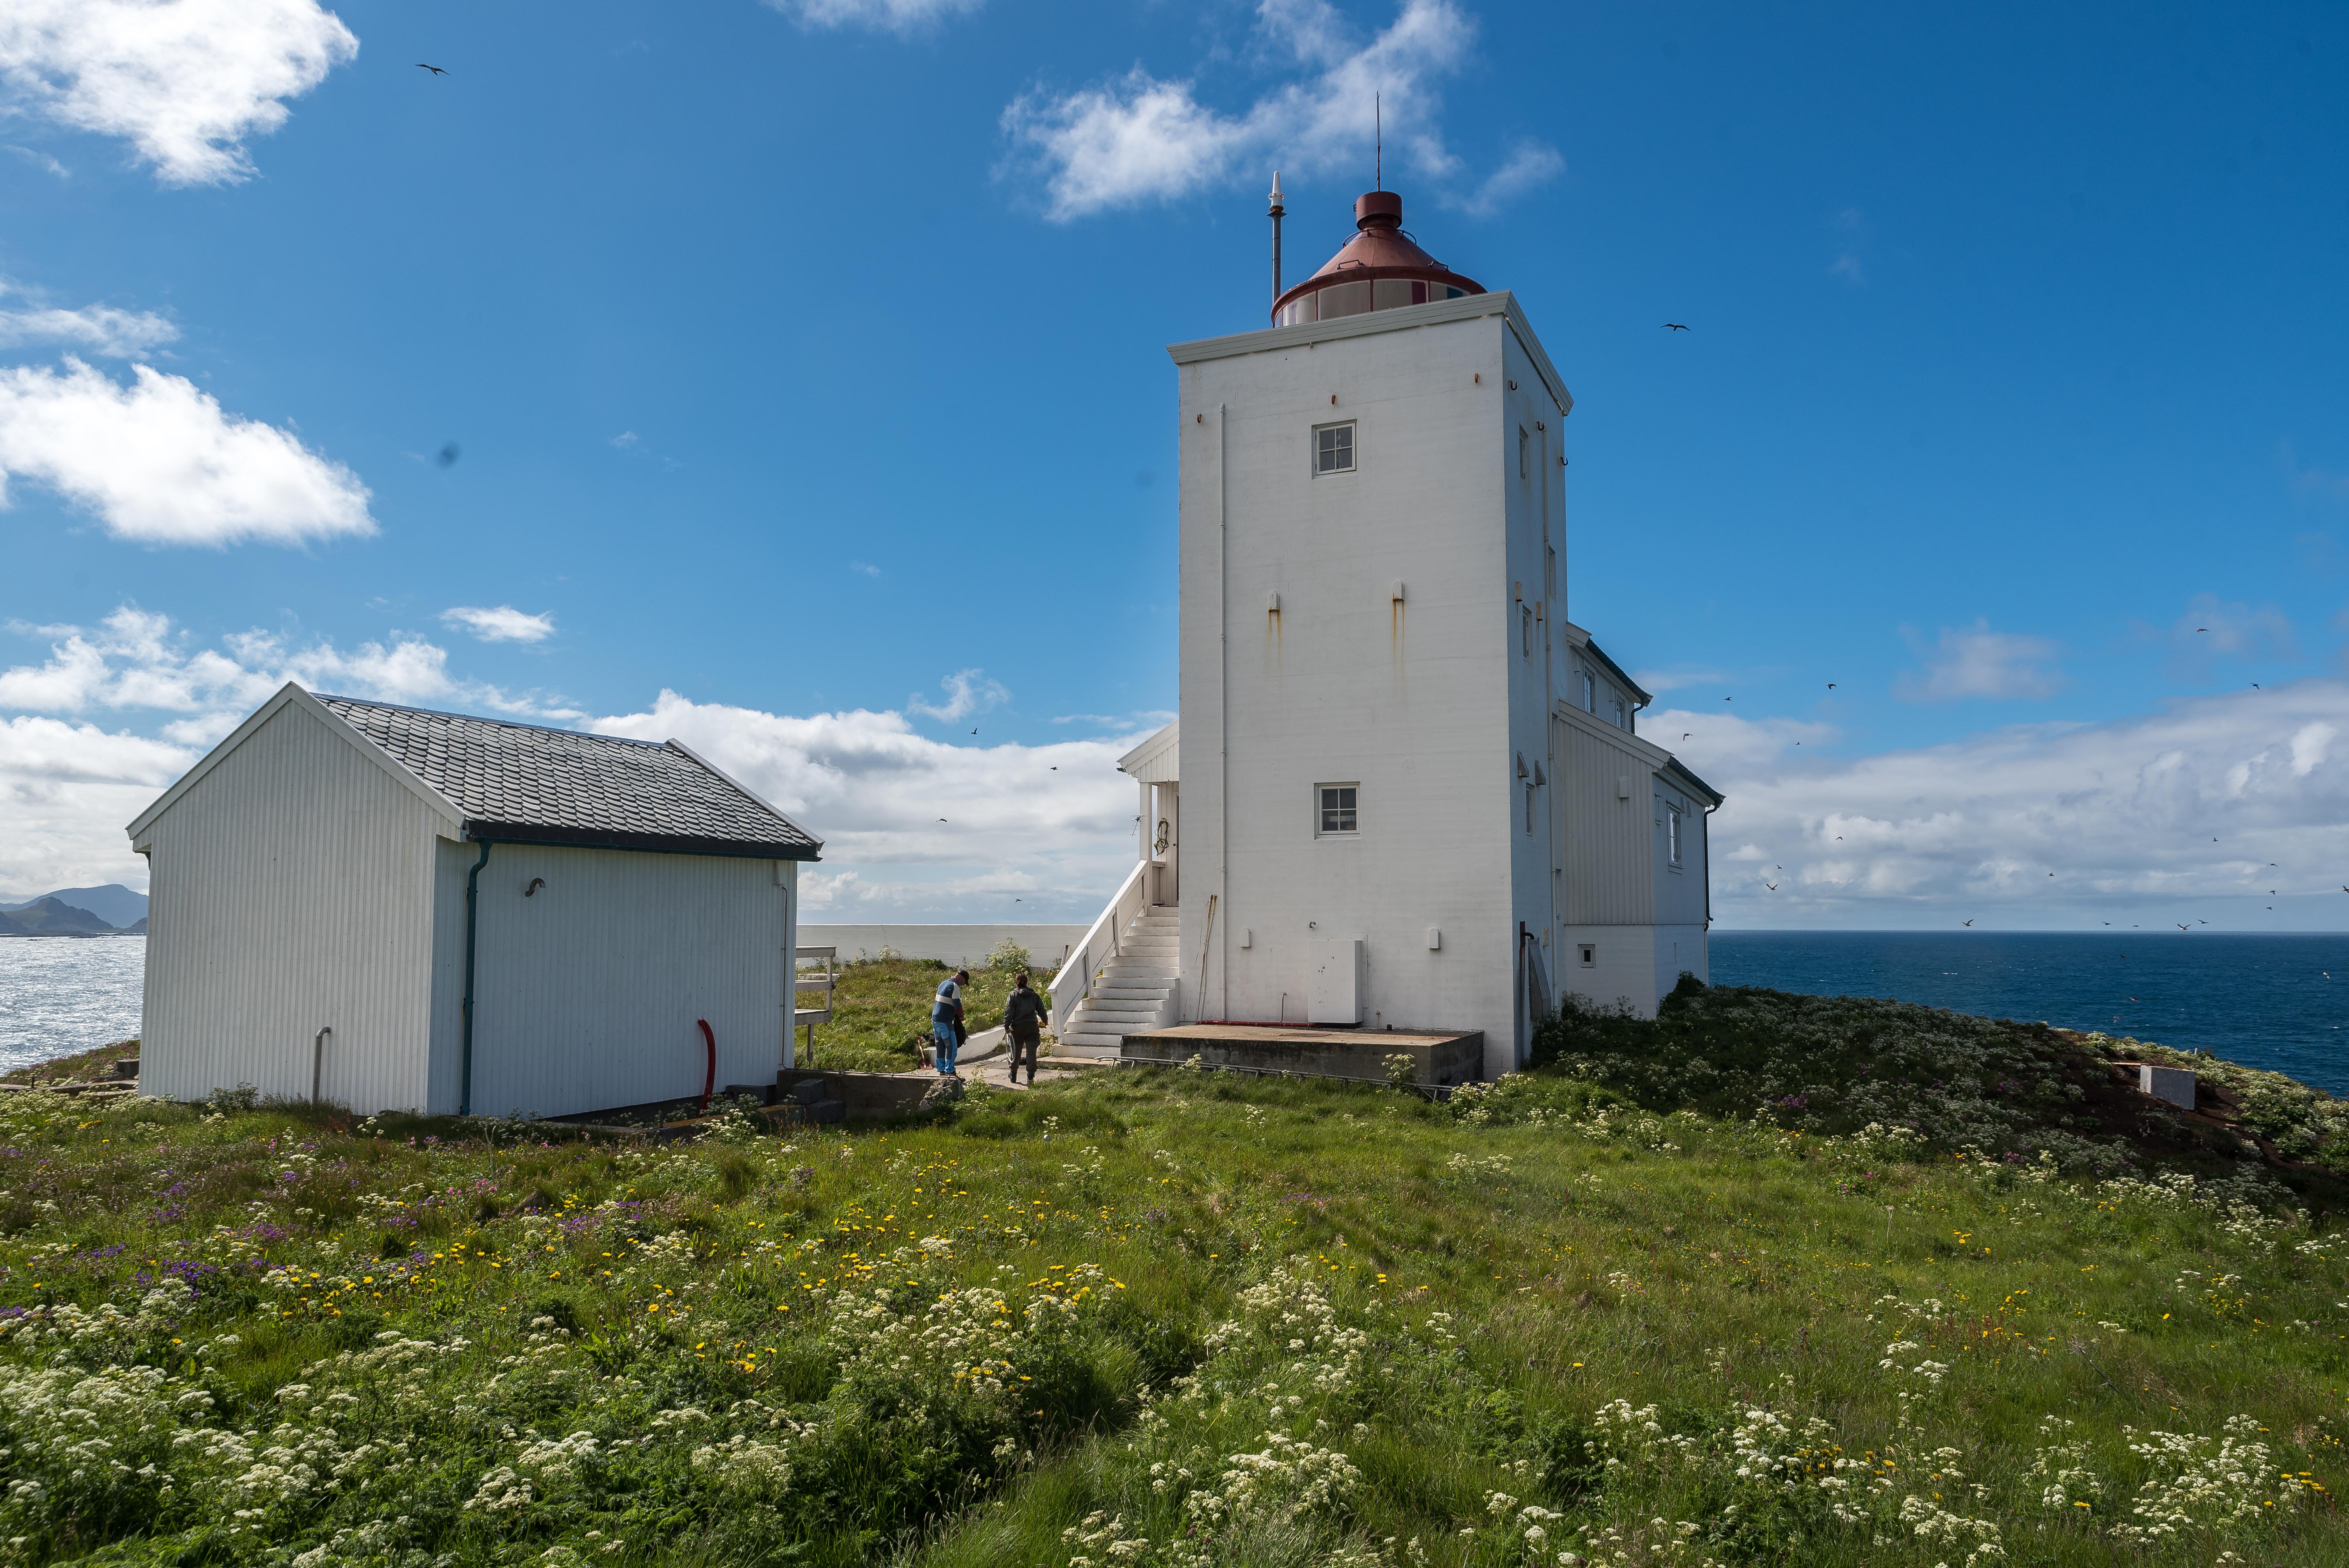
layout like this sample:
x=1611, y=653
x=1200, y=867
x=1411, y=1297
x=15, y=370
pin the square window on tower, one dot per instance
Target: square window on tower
x=1333, y=449
x=1337, y=807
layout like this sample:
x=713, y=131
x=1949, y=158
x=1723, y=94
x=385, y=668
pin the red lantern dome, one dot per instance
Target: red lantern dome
x=1380, y=268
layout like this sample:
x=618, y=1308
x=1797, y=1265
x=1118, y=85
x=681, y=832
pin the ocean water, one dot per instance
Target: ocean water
x=61, y=994
x=2275, y=1001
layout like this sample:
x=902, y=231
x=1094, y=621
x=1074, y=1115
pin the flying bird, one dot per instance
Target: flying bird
x=2201, y=628
x=2184, y=928
x=1970, y=922
x=434, y=69
x=1771, y=886
x=975, y=732
x=941, y=819
x=1674, y=327
x=1684, y=735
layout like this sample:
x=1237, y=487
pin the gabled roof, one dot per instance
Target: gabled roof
x=521, y=783
x=1157, y=759
x=1582, y=639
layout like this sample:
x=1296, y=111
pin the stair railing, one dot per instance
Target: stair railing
x=1074, y=983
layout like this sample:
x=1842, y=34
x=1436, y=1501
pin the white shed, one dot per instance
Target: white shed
x=391, y=908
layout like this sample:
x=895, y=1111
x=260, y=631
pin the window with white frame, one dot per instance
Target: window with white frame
x=1620, y=712
x=1333, y=449
x=1336, y=808
x=1672, y=835
x=1589, y=692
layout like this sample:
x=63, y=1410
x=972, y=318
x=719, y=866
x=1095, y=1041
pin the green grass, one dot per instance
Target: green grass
x=1171, y=1318
x=881, y=1012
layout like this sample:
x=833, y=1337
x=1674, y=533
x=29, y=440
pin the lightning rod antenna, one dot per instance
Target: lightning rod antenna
x=1378, y=141
x=1277, y=212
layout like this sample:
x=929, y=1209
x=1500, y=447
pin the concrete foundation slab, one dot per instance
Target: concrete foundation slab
x=1357, y=1054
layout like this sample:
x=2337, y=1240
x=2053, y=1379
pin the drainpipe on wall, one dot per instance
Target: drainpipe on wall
x=465, y=1052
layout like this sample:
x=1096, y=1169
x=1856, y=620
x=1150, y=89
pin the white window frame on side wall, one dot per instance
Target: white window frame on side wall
x=1673, y=836
x=1323, y=809
x=1321, y=471
x=1590, y=691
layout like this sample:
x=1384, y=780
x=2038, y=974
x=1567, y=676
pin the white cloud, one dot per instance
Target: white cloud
x=2124, y=813
x=1139, y=138
x=866, y=567
x=1051, y=825
x=135, y=660
x=185, y=82
x=1976, y=662
x=502, y=625
x=65, y=790
x=900, y=17
x=96, y=328
x=159, y=462
x=967, y=692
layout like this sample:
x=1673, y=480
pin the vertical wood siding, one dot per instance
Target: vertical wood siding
x=292, y=890
x=587, y=990
x=1610, y=852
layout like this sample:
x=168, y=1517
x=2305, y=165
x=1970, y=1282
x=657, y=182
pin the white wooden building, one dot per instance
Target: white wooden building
x=1405, y=790
x=395, y=909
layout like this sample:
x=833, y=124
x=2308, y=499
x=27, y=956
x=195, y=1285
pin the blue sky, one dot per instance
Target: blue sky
x=791, y=378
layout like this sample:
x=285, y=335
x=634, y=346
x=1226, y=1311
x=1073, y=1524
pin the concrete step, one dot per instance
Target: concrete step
x=1115, y=993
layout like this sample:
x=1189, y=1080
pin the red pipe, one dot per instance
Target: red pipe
x=710, y=1078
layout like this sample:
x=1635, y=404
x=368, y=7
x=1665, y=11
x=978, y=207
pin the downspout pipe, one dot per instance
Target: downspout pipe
x=465, y=1033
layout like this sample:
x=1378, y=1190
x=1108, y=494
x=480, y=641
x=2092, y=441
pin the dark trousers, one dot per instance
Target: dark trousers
x=1025, y=1038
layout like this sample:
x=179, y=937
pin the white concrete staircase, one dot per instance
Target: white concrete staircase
x=1133, y=991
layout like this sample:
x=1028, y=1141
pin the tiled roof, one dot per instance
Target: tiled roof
x=525, y=784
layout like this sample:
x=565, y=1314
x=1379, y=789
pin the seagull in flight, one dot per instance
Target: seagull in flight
x=434, y=69
x=1674, y=327
x=1771, y=885
x=2184, y=928
x=1970, y=922
x=2201, y=628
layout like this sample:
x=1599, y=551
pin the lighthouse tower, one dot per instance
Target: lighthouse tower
x=1411, y=792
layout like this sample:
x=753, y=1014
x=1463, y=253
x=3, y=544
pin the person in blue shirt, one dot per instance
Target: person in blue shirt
x=946, y=1020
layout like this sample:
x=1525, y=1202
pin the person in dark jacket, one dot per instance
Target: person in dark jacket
x=1024, y=1017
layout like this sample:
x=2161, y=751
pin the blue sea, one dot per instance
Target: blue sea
x=2275, y=1001
x=59, y=995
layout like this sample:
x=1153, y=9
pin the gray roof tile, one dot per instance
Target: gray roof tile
x=523, y=783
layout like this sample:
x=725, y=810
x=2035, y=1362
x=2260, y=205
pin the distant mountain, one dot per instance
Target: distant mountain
x=52, y=916
x=113, y=904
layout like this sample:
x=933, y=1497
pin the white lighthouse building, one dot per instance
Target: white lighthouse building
x=1404, y=790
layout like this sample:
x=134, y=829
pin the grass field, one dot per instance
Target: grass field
x=881, y=1012
x=1174, y=1318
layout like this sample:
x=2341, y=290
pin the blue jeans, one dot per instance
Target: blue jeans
x=942, y=1032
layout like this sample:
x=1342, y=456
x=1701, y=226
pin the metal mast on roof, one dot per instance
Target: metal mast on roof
x=1277, y=212
x=1378, y=141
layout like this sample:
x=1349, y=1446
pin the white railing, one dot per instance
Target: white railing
x=1074, y=983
